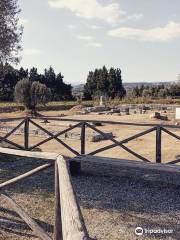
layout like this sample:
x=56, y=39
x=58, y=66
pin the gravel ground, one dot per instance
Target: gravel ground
x=114, y=201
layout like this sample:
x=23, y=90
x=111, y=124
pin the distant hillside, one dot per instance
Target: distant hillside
x=150, y=84
x=79, y=88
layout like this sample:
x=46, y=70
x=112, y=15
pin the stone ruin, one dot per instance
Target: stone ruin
x=157, y=115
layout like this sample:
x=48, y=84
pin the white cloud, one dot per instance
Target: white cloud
x=135, y=17
x=32, y=51
x=23, y=21
x=91, y=9
x=95, y=27
x=89, y=41
x=71, y=26
x=95, y=44
x=85, y=38
x=157, y=34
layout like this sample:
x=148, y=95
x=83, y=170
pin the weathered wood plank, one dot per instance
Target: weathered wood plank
x=72, y=221
x=105, y=122
x=21, y=153
x=25, y=175
x=10, y=119
x=127, y=163
x=37, y=230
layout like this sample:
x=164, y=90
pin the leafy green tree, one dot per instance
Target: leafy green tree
x=174, y=90
x=163, y=93
x=22, y=93
x=10, y=31
x=147, y=93
x=40, y=94
x=30, y=94
x=136, y=92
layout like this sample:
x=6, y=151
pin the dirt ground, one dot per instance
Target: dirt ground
x=114, y=201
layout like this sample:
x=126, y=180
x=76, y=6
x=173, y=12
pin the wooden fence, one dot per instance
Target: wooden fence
x=89, y=123
x=69, y=223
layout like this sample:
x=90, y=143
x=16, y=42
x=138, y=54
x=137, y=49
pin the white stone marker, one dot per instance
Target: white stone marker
x=102, y=101
x=178, y=113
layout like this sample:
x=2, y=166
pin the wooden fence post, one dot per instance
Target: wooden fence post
x=58, y=222
x=158, y=144
x=75, y=167
x=73, y=225
x=83, y=138
x=26, y=134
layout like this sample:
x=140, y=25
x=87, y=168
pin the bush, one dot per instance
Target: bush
x=31, y=94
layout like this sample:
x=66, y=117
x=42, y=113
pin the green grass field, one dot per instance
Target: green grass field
x=114, y=102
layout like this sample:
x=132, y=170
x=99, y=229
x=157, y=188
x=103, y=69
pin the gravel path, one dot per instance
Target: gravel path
x=114, y=201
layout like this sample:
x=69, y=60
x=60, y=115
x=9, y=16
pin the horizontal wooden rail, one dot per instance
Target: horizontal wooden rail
x=105, y=122
x=11, y=119
x=21, y=153
x=128, y=163
x=25, y=175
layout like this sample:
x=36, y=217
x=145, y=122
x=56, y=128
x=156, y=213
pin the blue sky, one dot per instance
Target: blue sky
x=75, y=36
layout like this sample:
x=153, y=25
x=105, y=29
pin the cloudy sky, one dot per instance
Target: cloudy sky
x=142, y=37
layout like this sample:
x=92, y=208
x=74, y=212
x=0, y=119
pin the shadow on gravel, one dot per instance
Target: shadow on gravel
x=15, y=225
x=128, y=189
x=149, y=199
x=41, y=184
x=11, y=167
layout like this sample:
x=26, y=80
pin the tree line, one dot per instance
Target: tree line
x=106, y=82
x=160, y=91
x=10, y=76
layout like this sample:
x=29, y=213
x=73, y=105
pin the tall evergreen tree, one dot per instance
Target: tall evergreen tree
x=33, y=74
x=104, y=82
